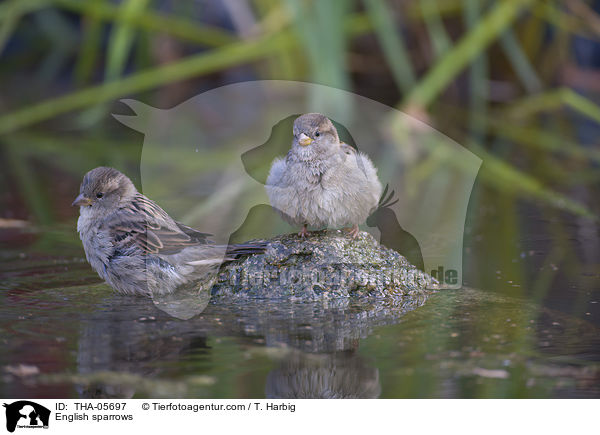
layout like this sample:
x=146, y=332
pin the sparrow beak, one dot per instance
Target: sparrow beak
x=81, y=201
x=304, y=140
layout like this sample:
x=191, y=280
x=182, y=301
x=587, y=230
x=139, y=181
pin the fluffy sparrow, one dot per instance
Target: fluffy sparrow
x=322, y=182
x=136, y=247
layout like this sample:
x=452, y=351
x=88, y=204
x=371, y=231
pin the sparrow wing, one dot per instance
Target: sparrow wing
x=144, y=224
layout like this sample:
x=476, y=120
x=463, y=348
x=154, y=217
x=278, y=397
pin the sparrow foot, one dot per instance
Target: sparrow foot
x=303, y=232
x=353, y=232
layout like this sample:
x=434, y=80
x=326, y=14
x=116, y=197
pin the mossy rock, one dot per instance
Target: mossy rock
x=326, y=265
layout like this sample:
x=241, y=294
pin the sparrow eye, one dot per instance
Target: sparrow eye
x=317, y=134
x=99, y=195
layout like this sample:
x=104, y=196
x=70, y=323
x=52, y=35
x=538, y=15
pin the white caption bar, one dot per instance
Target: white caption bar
x=151, y=416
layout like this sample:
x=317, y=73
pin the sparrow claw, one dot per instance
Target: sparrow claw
x=303, y=233
x=353, y=232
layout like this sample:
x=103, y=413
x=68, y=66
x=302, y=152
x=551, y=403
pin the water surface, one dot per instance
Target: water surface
x=65, y=334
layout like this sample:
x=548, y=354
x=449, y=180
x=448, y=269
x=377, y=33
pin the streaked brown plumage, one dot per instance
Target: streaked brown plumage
x=136, y=247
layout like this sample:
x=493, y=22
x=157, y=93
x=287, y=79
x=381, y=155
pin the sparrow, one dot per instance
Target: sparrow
x=322, y=182
x=136, y=247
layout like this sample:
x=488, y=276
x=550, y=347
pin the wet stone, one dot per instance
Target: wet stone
x=326, y=265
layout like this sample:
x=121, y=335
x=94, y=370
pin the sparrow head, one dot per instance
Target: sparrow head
x=315, y=136
x=103, y=188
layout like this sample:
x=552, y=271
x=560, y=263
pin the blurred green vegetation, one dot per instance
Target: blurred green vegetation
x=514, y=81
x=482, y=72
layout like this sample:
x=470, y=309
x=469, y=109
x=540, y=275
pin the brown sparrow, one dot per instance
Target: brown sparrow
x=136, y=247
x=322, y=182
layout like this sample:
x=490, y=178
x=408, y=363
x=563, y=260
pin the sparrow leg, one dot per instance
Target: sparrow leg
x=304, y=232
x=353, y=232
